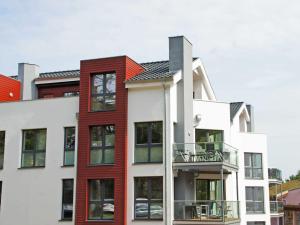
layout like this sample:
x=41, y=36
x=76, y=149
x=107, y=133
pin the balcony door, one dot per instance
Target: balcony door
x=208, y=190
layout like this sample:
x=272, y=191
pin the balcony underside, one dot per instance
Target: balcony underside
x=208, y=167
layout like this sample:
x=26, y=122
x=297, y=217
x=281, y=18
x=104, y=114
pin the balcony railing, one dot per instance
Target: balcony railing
x=275, y=174
x=276, y=207
x=206, y=211
x=205, y=152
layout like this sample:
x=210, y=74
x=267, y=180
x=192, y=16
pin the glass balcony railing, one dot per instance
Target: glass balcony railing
x=275, y=174
x=210, y=210
x=205, y=152
x=276, y=207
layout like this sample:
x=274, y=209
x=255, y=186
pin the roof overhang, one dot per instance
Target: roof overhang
x=243, y=109
x=59, y=80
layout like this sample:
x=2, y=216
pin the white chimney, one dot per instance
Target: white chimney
x=26, y=74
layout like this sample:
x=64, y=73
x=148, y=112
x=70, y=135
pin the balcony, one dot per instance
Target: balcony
x=276, y=207
x=205, y=155
x=275, y=175
x=205, y=212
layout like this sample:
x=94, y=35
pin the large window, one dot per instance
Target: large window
x=148, y=198
x=67, y=199
x=103, y=92
x=101, y=199
x=34, y=148
x=2, y=143
x=148, y=142
x=253, y=165
x=254, y=200
x=102, y=144
x=69, y=146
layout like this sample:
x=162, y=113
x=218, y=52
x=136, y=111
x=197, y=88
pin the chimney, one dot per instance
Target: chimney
x=181, y=58
x=26, y=74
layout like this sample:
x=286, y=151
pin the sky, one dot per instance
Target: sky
x=250, y=49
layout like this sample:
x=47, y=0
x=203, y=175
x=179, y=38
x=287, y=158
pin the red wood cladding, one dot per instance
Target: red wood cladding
x=57, y=90
x=10, y=89
x=124, y=68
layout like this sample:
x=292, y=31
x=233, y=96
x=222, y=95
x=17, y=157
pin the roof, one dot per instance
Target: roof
x=234, y=108
x=153, y=70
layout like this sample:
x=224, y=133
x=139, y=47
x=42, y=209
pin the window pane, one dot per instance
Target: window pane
x=108, y=189
x=69, y=158
x=29, y=137
x=95, y=190
x=40, y=140
x=141, y=133
x=70, y=138
x=249, y=193
x=1, y=160
x=27, y=160
x=141, y=188
x=156, y=154
x=95, y=211
x=96, y=156
x=156, y=210
x=2, y=141
x=110, y=83
x=248, y=160
x=96, y=136
x=108, y=211
x=97, y=103
x=97, y=84
x=248, y=172
x=156, y=132
x=141, y=154
x=110, y=102
x=67, y=204
x=257, y=173
x=141, y=210
x=257, y=160
x=40, y=159
x=109, y=136
x=109, y=155
x=156, y=188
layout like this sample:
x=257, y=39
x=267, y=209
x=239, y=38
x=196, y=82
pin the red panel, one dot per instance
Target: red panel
x=124, y=68
x=9, y=89
x=47, y=91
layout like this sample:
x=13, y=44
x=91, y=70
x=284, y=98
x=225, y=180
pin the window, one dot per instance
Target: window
x=69, y=146
x=254, y=200
x=103, y=92
x=256, y=223
x=148, y=142
x=34, y=148
x=101, y=199
x=2, y=143
x=67, y=199
x=253, y=165
x=148, y=198
x=102, y=145
x=72, y=93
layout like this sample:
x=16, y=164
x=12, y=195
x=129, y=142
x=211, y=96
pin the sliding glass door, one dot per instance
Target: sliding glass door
x=208, y=190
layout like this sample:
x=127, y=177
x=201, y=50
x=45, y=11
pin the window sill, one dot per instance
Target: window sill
x=97, y=165
x=254, y=178
x=142, y=163
x=65, y=220
x=107, y=110
x=100, y=221
x=255, y=213
x=66, y=166
x=32, y=167
x=147, y=220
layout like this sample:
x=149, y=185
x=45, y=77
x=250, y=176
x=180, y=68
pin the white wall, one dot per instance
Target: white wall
x=33, y=196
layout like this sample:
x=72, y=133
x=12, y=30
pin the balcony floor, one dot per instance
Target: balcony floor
x=206, y=221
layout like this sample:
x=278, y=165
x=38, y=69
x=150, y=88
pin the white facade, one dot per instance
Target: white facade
x=33, y=196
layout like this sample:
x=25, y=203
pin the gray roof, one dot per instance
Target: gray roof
x=234, y=108
x=153, y=71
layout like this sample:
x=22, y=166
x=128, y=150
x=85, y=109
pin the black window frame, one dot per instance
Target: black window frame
x=252, y=168
x=253, y=202
x=149, y=143
x=2, y=149
x=66, y=149
x=1, y=184
x=63, y=199
x=33, y=151
x=102, y=200
x=102, y=148
x=150, y=200
x=104, y=93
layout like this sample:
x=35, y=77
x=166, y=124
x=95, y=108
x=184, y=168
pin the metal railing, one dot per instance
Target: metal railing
x=275, y=173
x=276, y=207
x=205, y=152
x=210, y=210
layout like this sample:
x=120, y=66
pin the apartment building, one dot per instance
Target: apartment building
x=121, y=142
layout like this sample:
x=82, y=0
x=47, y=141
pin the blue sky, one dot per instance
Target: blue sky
x=250, y=49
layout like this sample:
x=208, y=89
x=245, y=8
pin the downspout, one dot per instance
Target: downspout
x=165, y=148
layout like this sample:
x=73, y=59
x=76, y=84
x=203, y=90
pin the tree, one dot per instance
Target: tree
x=294, y=177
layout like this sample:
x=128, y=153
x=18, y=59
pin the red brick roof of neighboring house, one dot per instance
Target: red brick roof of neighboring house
x=10, y=89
